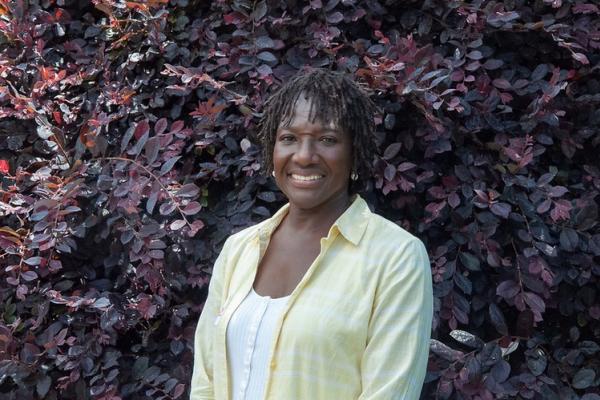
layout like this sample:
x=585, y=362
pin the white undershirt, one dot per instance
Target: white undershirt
x=250, y=334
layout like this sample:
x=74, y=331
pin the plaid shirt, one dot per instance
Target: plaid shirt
x=357, y=326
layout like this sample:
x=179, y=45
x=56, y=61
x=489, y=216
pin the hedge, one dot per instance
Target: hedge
x=128, y=154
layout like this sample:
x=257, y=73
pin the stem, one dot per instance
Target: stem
x=517, y=263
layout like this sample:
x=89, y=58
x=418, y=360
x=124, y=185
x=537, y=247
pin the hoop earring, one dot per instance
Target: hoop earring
x=354, y=176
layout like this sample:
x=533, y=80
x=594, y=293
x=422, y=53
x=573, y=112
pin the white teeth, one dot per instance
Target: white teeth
x=306, y=178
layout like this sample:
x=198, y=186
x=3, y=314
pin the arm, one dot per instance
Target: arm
x=202, y=377
x=394, y=363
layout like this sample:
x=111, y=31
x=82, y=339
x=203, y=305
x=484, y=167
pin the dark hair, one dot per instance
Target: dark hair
x=334, y=97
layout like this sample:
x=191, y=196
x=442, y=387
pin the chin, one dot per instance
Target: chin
x=305, y=202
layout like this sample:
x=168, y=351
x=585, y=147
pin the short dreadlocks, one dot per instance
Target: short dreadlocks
x=334, y=97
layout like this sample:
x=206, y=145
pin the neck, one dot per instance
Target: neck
x=319, y=219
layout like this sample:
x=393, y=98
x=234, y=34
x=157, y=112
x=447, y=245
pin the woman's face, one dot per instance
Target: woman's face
x=312, y=161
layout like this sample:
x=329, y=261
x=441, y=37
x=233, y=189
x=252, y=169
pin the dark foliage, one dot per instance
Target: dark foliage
x=127, y=155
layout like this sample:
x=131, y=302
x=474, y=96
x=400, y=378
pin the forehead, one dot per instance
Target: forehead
x=303, y=111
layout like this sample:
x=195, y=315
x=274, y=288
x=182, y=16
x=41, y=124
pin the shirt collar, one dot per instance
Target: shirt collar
x=351, y=224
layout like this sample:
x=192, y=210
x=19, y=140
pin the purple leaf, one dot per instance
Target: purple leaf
x=405, y=166
x=502, y=84
x=33, y=261
x=168, y=165
x=177, y=224
x=535, y=302
x=497, y=318
x=151, y=202
x=501, y=209
x=335, y=17
x=507, y=289
x=151, y=149
x=167, y=208
x=391, y=151
x=188, y=190
x=492, y=64
x=582, y=58
x=390, y=172
x=29, y=276
x=544, y=206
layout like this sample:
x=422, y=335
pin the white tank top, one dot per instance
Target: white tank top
x=250, y=334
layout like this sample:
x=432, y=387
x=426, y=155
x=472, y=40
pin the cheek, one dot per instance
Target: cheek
x=279, y=157
x=344, y=161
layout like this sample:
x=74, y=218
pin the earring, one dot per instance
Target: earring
x=273, y=173
x=354, y=176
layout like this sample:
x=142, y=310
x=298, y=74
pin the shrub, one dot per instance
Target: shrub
x=127, y=156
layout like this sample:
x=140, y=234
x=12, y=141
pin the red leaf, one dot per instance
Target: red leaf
x=561, y=210
x=4, y=167
x=435, y=208
x=195, y=227
x=160, y=126
x=141, y=129
x=178, y=391
x=146, y=308
x=406, y=185
x=192, y=208
x=177, y=126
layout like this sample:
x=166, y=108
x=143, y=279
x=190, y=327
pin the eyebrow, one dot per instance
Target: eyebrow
x=325, y=129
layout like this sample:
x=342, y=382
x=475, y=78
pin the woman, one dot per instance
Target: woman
x=324, y=300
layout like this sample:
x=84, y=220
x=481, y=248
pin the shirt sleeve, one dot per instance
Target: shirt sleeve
x=201, y=387
x=394, y=362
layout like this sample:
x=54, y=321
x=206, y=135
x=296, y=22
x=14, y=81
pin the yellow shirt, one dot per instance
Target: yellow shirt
x=357, y=326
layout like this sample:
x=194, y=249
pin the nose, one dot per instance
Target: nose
x=305, y=153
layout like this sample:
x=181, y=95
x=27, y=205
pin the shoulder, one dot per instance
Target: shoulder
x=384, y=232
x=396, y=248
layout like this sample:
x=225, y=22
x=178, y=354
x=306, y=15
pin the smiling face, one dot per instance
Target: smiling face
x=312, y=161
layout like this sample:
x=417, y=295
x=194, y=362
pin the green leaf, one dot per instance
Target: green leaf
x=471, y=262
x=584, y=378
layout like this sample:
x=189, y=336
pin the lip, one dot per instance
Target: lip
x=305, y=184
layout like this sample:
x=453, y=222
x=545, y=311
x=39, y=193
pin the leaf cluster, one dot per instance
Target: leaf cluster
x=127, y=156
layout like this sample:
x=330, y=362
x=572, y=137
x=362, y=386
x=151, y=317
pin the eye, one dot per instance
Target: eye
x=329, y=140
x=286, y=138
